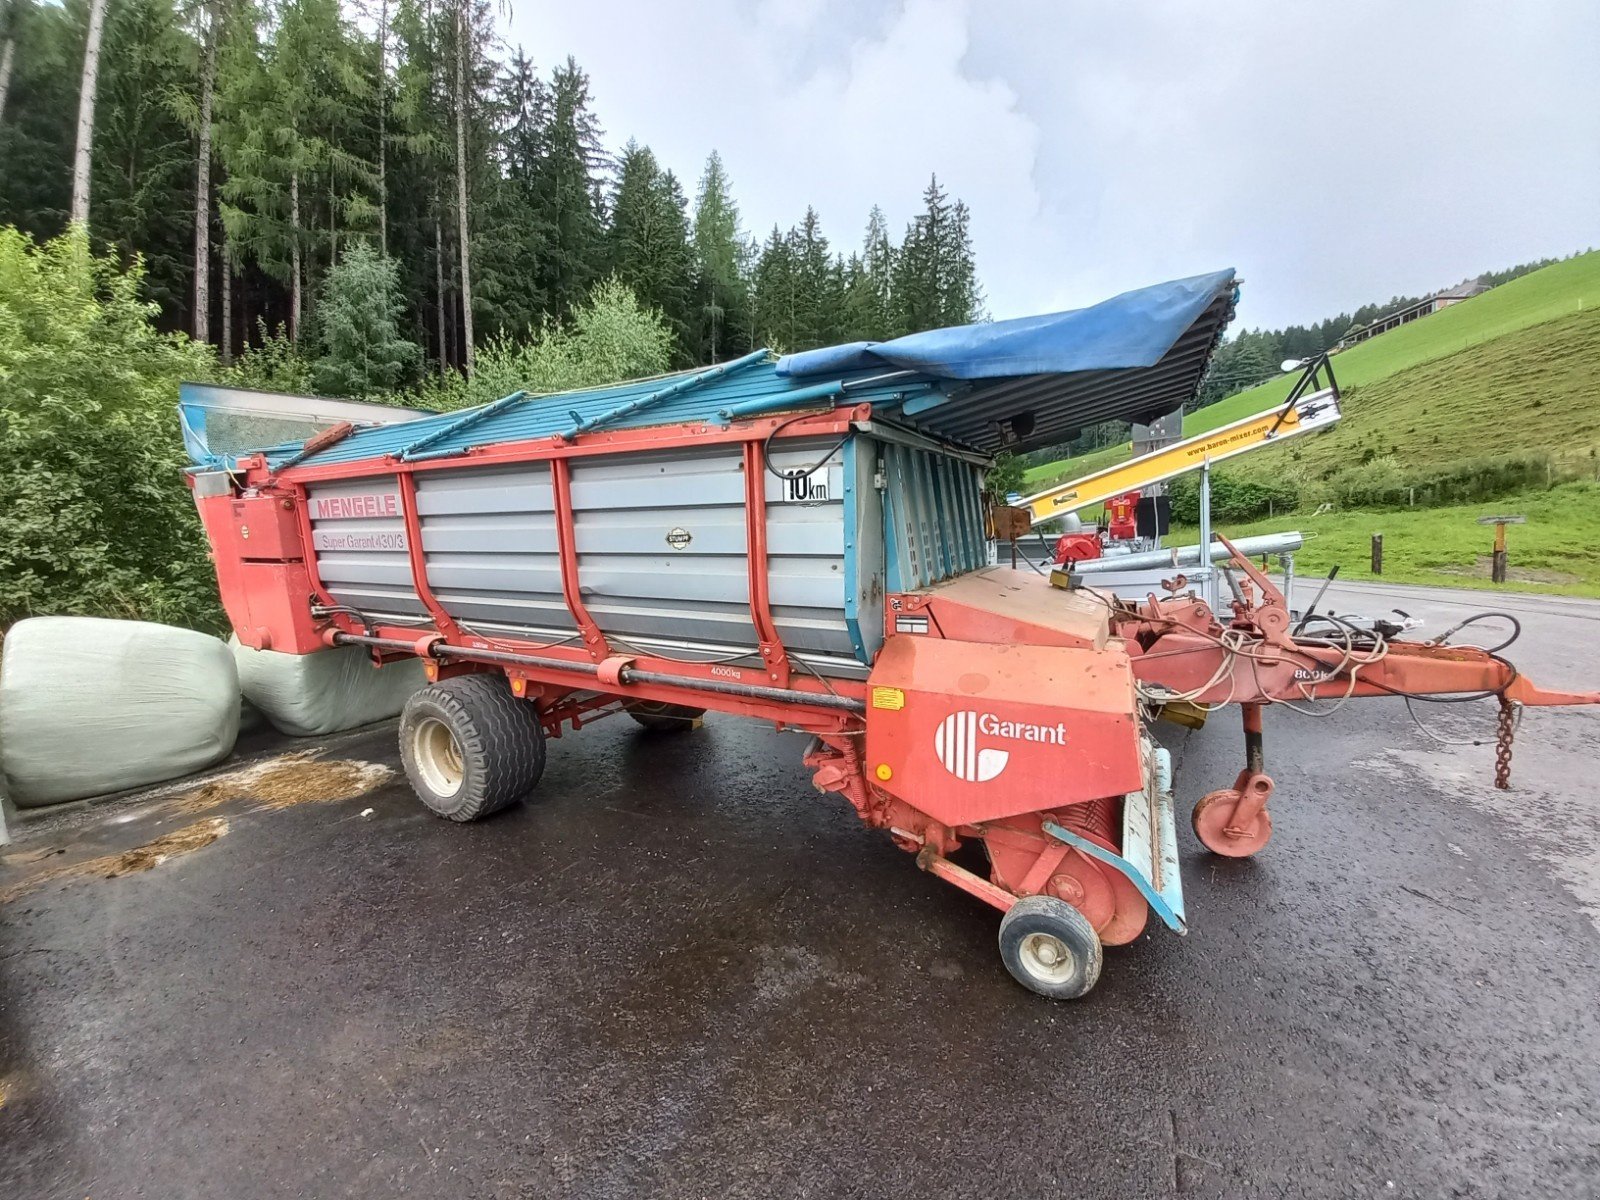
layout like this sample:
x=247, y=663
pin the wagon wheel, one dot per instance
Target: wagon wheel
x=1212, y=818
x=469, y=747
x=661, y=717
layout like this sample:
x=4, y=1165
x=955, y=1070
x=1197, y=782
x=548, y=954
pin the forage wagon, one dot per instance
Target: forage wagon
x=803, y=540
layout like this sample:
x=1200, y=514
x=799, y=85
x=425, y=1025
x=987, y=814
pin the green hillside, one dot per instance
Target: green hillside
x=1392, y=396
x=1558, y=550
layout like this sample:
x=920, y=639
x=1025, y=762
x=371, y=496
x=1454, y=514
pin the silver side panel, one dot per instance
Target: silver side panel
x=489, y=537
x=662, y=548
x=359, y=537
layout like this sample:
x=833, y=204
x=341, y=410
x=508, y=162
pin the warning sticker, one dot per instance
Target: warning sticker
x=888, y=697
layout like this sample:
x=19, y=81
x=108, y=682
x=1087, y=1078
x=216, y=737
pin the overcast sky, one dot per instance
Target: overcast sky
x=1333, y=153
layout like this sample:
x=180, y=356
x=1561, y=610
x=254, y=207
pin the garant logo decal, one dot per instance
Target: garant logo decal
x=956, y=743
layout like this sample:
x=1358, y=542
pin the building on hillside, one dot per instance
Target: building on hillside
x=1422, y=308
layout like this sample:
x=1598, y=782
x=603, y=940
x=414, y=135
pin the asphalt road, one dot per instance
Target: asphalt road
x=681, y=972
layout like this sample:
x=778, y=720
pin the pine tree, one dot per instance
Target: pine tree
x=877, y=260
x=819, y=286
x=721, y=294
x=418, y=136
x=290, y=128
x=358, y=321
x=960, y=301
x=9, y=17
x=776, y=294
x=210, y=15
x=567, y=191
x=935, y=276
x=512, y=239
x=649, y=239
x=464, y=52
x=36, y=136
x=143, y=168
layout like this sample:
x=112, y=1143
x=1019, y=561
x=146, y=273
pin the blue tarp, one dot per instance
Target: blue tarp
x=1134, y=329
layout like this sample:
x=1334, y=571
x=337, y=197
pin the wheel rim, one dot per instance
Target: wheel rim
x=1211, y=819
x=1047, y=958
x=438, y=757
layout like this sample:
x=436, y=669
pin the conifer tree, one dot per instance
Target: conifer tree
x=776, y=294
x=358, y=322
x=567, y=191
x=722, y=296
x=83, y=155
x=512, y=239
x=9, y=16
x=649, y=239
x=143, y=165
x=210, y=15
x=935, y=277
x=818, y=286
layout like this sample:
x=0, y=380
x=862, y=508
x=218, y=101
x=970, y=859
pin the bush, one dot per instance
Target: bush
x=611, y=338
x=1232, y=498
x=1003, y=478
x=273, y=365
x=1384, y=483
x=94, y=515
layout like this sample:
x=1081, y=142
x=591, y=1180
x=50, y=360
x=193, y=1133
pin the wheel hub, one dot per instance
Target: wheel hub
x=1047, y=957
x=437, y=755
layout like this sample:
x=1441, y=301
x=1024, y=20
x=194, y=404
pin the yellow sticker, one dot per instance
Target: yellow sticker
x=888, y=697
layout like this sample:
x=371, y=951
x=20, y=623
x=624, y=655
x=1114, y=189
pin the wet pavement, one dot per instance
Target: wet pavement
x=682, y=972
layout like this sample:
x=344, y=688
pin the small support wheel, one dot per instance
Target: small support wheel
x=660, y=717
x=470, y=747
x=1050, y=948
x=1212, y=817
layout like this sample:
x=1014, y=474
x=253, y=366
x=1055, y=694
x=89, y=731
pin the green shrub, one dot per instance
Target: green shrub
x=1232, y=498
x=611, y=338
x=94, y=515
x=1384, y=483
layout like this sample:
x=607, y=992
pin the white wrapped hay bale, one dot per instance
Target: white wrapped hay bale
x=89, y=706
x=308, y=694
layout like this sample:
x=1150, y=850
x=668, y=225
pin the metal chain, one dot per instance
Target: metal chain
x=1504, y=732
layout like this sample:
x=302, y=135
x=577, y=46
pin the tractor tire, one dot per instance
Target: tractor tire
x=471, y=748
x=661, y=717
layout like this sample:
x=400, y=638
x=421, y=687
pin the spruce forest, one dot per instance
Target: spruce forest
x=372, y=195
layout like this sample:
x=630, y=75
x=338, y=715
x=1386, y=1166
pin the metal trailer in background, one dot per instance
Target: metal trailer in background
x=803, y=541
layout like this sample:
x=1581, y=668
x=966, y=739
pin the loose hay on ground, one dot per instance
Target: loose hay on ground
x=272, y=785
x=128, y=862
x=286, y=781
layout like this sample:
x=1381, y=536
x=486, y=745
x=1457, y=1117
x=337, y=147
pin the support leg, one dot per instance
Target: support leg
x=1234, y=822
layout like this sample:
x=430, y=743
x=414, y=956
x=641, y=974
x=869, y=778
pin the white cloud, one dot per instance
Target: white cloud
x=1334, y=155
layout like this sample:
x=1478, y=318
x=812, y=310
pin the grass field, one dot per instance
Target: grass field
x=1558, y=550
x=1563, y=299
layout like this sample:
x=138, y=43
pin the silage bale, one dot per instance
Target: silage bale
x=89, y=706
x=304, y=695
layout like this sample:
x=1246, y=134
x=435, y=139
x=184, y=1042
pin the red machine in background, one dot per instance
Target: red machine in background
x=1121, y=517
x=1121, y=525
